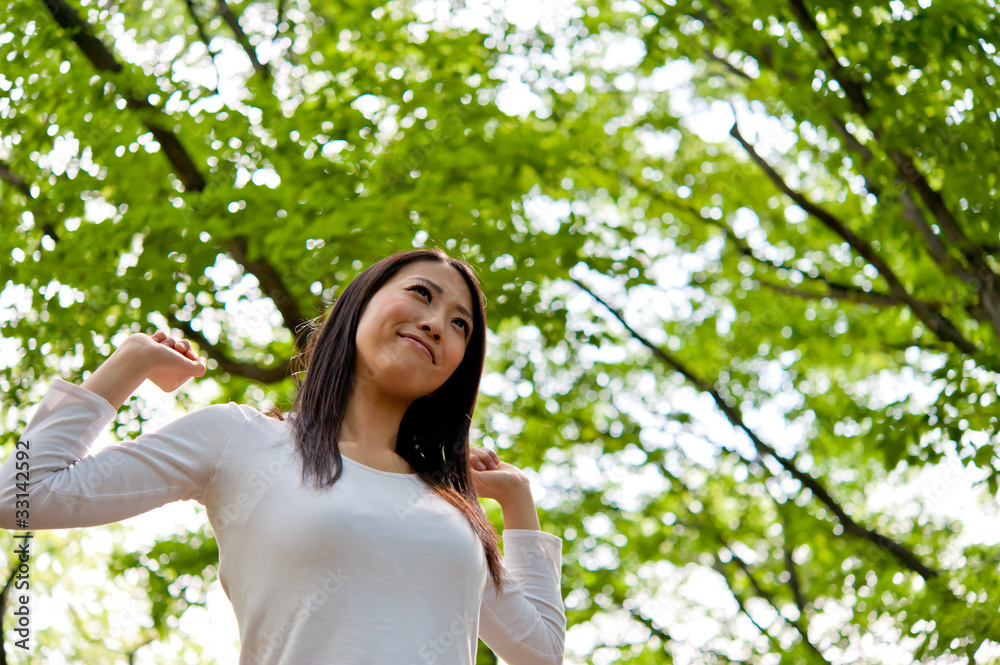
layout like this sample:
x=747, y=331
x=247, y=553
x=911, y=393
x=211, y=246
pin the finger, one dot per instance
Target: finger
x=488, y=457
x=481, y=460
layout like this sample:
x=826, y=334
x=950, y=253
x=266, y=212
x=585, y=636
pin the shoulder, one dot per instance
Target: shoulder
x=251, y=421
x=217, y=419
x=239, y=414
x=218, y=424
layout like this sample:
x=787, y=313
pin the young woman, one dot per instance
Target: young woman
x=349, y=532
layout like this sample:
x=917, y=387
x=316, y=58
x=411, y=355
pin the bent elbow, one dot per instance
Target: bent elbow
x=8, y=513
x=548, y=643
x=13, y=517
x=22, y=506
x=556, y=644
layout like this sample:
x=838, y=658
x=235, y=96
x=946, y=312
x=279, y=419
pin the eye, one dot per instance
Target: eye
x=426, y=292
x=420, y=288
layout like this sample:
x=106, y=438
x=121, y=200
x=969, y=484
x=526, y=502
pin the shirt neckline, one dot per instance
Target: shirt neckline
x=393, y=474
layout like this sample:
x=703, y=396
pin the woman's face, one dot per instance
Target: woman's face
x=414, y=330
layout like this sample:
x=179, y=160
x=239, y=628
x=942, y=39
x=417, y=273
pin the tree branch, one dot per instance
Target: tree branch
x=915, y=215
x=273, y=286
x=651, y=626
x=838, y=293
x=708, y=526
x=227, y=364
x=728, y=65
x=906, y=344
x=233, y=22
x=9, y=176
x=838, y=290
x=184, y=167
x=191, y=177
x=907, y=558
x=800, y=625
x=720, y=567
x=852, y=141
x=793, y=576
x=199, y=25
x=667, y=639
x=82, y=34
x=103, y=60
x=937, y=322
x=205, y=39
x=769, y=597
x=988, y=283
x=851, y=88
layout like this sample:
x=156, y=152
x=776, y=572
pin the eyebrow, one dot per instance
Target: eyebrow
x=440, y=291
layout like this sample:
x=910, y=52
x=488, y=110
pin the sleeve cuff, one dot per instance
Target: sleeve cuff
x=525, y=543
x=106, y=410
x=532, y=534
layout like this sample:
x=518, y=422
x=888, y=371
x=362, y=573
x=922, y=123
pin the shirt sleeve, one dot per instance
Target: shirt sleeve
x=66, y=488
x=527, y=626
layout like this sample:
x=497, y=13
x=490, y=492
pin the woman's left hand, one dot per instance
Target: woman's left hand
x=493, y=479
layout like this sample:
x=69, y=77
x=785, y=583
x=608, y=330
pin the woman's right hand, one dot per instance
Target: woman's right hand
x=169, y=362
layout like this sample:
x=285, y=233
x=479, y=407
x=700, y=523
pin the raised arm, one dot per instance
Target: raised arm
x=163, y=360
x=50, y=482
x=527, y=626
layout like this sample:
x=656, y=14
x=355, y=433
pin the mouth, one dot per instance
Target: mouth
x=423, y=346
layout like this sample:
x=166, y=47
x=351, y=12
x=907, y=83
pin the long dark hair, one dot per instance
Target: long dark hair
x=434, y=433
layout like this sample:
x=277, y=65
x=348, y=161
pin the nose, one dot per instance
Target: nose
x=434, y=332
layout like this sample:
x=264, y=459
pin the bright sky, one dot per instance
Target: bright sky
x=945, y=490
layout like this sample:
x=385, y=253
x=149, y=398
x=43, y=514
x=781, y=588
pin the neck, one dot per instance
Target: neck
x=372, y=420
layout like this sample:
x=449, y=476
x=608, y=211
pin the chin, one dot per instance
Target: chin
x=400, y=384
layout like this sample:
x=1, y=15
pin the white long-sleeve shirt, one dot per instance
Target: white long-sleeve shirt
x=376, y=570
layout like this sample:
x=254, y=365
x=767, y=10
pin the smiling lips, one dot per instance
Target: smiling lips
x=424, y=347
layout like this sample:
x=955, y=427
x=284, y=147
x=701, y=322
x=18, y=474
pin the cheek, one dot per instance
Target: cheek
x=364, y=332
x=369, y=331
x=362, y=344
x=380, y=312
x=397, y=310
x=456, y=353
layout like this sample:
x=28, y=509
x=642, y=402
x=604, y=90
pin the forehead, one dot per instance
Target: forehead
x=440, y=274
